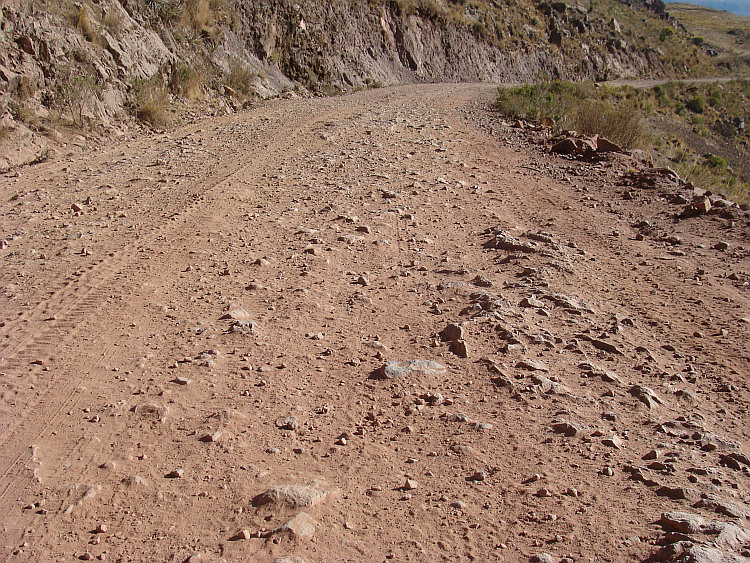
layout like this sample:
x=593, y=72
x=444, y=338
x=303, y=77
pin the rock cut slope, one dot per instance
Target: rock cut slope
x=380, y=326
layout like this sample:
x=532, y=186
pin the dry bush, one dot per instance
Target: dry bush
x=623, y=125
x=75, y=94
x=240, y=77
x=149, y=101
x=114, y=20
x=87, y=25
x=186, y=82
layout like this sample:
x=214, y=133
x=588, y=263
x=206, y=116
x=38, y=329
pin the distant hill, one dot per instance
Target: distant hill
x=739, y=7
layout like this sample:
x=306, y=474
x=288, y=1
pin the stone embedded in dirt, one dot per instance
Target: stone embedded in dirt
x=542, y=558
x=290, y=559
x=482, y=281
x=133, y=481
x=723, y=506
x=675, y=493
x=544, y=493
x=182, y=380
x=176, y=474
x=687, y=523
x=532, y=365
x=609, y=376
x=545, y=385
x=294, y=496
x=238, y=314
x=241, y=535
x=452, y=332
x=566, y=428
x=393, y=370
x=645, y=395
x=459, y=348
x=151, y=410
x=287, y=423
x=108, y=465
x=613, y=441
x=531, y=302
x=602, y=345
x=300, y=527
x=410, y=485
x=688, y=551
x=213, y=437
x=503, y=241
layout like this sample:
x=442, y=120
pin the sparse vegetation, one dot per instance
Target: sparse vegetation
x=578, y=106
x=149, y=101
x=240, y=77
x=186, y=82
x=75, y=94
x=625, y=115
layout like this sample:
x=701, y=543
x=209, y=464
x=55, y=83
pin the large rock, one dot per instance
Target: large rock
x=294, y=496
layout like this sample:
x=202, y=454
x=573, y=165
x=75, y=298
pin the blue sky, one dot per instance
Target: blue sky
x=741, y=7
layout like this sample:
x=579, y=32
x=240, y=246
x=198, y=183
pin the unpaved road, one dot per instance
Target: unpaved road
x=140, y=424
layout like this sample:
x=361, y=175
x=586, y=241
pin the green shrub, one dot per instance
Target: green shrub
x=716, y=161
x=696, y=104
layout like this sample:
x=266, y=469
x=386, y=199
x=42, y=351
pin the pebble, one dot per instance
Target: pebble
x=176, y=474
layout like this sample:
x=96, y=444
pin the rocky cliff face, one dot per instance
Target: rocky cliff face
x=90, y=57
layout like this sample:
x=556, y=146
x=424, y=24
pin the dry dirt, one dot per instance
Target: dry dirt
x=138, y=423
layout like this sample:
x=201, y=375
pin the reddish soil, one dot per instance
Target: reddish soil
x=137, y=423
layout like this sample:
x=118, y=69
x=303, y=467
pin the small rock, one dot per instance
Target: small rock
x=287, y=423
x=532, y=365
x=566, y=428
x=645, y=395
x=480, y=475
x=301, y=526
x=242, y=535
x=176, y=474
x=295, y=496
x=481, y=281
x=531, y=302
x=410, y=485
x=213, y=437
x=452, y=332
x=613, y=441
x=393, y=370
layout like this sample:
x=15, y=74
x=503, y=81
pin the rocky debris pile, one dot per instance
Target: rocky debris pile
x=580, y=146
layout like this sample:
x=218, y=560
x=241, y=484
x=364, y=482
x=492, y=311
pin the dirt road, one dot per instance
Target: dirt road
x=195, y=318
